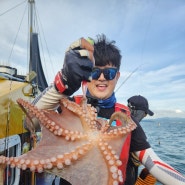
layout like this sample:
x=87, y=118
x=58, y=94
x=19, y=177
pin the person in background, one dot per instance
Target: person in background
x=139, y=109
x=98, y=64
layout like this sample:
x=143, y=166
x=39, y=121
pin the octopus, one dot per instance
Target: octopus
x=76, y=144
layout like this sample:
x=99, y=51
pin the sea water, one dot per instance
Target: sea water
x=167, y=138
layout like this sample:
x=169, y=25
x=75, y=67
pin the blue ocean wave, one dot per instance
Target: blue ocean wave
x=166, y=137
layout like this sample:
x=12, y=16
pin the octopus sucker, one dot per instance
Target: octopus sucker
x=60, y=166
x=75, y=144
x=24, y=167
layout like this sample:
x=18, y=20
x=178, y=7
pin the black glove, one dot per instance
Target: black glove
x=77, y=67
x=144, y=173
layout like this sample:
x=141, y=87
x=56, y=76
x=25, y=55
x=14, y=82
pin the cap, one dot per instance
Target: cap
x=139, y=103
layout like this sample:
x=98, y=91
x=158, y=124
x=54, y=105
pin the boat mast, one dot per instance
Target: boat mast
x=37, y=76
x=31, y=5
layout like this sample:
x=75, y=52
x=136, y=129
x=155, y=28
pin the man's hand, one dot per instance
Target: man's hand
x=77, y=67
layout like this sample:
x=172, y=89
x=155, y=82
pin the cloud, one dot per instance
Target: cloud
x=164, y=88
x=178, y=111
x=150, y=35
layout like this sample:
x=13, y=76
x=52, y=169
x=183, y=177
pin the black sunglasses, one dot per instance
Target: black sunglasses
x=109, y=73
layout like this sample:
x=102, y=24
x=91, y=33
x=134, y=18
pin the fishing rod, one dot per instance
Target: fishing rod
x=12, y=8
x=128, y=77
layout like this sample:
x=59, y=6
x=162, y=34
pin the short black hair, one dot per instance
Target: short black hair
x=106, y=52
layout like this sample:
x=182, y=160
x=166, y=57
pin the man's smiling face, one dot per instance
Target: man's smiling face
x=102, y=88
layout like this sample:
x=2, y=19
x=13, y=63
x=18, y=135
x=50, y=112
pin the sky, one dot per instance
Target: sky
x=149, y=33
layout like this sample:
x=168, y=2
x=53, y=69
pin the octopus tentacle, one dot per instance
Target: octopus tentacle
x=75, y=144
x=113, y=162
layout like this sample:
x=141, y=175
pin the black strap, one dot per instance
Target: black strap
x=53, y=183
x=64, y=182
x=61, y=182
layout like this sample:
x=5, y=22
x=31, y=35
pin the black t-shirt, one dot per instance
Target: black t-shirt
x=138, y=142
